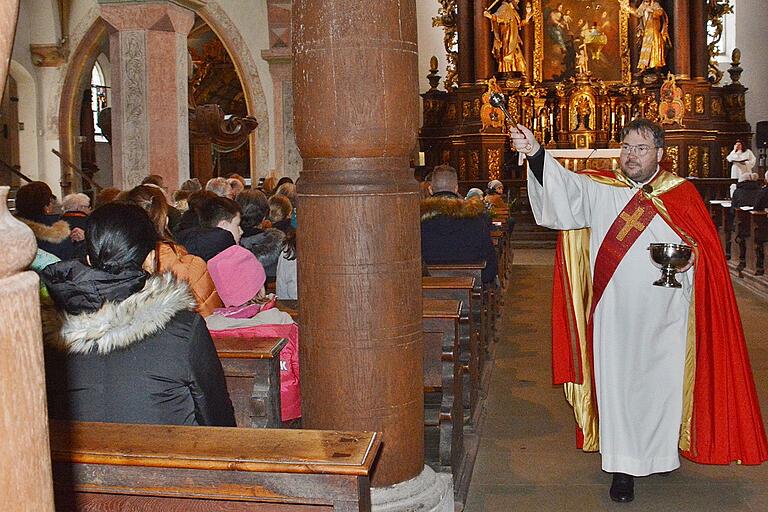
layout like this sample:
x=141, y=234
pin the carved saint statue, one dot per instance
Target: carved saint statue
x=507, y=46
x=654, y=32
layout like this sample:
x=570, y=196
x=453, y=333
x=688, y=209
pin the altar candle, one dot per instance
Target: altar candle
x=614, y=164
x=566, y=163
x=613, y=118
x=622, y=119
x=534, y=122
x=552, y=121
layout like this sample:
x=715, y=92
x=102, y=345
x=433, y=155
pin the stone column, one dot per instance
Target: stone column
x=287, y=158
x=681, y=35
x=25, y=472
x=464, y=26
x=150, y=121
x=9, y=11
x=484, y=64
x=356, y=98
x=700, y=56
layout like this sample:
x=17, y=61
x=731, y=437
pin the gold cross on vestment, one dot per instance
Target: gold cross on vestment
x=631, y=222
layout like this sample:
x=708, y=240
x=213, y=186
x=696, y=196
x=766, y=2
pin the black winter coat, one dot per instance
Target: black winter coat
x=266, y=245
x=130, y=349
x=454, y=230
x=205, y=242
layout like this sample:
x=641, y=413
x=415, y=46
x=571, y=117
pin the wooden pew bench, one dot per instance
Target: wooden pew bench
x=252, y=369
x=460, y=288
x=443, y=374
x=758, y=236
x=117, y=467
x=443, y=382
x=483, y=295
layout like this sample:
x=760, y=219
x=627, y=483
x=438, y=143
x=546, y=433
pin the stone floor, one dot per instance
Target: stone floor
x=527, y=460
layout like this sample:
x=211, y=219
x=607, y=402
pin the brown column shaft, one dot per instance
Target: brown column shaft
x=356, y=102
x=681, y=35
x=466, y=69
x=699, y=54
x=484, y=65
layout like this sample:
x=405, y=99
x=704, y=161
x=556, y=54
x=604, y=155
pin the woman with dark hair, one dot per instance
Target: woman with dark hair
x=264, y=243
x=191, y=218
x=170, y=256
x=35, y=204
x=123, y=346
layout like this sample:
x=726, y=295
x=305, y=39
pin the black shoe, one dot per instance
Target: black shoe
x=622, y=488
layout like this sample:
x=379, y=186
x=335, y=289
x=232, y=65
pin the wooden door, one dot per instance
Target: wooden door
x=9, y=132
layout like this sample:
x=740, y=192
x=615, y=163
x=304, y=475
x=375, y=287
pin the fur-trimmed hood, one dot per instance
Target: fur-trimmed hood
x=54, y=233
x=452, y=206
x=117, y=325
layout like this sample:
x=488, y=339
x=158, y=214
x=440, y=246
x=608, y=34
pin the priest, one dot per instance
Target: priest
x=650, y=371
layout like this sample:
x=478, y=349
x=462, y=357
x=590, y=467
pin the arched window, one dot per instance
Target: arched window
x=726, y=40
x=98, y=99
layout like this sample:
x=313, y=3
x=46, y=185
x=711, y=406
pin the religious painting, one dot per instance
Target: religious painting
x=580, y=36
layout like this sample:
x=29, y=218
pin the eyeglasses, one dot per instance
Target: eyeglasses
x=640, y=149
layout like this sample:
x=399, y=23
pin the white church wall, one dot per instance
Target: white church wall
x=430, y=42
x=752, y=39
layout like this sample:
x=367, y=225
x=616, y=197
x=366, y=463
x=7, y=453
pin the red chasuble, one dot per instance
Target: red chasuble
x=725, y=420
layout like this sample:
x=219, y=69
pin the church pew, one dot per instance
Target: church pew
x=443, y=371
x=755, y=263
x=725, y=226
x=252, y=369
x=484, y=295
x=743, y=231
x=460, y=288
x=101, y=467
x=443, y=383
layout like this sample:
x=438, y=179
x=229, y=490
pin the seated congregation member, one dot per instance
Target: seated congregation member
x=454, y=230
x=191, y=217
x=219, y=228
x=170, y=256
x=250, y=312
x=174, y=214
x=287, y=285
x=494, y=194
x=288, y=189
x=236, y=183
x=76, y=208
x=107, y=195
x=125, y=346
x=219, y=186
x=265, y=243
x=35, y=206
x=280, y=212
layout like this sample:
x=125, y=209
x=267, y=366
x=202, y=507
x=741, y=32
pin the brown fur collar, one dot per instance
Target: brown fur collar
x=455, y=207
x=55, y=233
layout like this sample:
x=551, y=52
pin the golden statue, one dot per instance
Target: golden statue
x=654, y=32
x=507, y=46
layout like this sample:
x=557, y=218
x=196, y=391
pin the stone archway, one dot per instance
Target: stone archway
x=89, y=46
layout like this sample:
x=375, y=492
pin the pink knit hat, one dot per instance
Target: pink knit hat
x=237, y=274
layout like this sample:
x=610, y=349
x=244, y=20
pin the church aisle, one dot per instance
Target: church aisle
x=527, y=460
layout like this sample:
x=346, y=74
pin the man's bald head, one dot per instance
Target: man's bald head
x=444, y=179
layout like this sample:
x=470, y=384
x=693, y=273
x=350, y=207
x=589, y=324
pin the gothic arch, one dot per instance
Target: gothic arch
x=90, y=45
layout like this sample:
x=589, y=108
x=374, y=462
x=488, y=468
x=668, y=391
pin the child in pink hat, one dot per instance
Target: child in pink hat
x=249, y=311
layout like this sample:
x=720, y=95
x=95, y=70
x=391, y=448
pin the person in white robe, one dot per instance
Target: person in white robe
x=742, y=163
x=639, y=333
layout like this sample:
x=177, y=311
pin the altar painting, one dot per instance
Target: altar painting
x=580, y=35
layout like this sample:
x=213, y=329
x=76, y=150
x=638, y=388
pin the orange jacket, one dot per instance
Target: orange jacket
x=170, y=257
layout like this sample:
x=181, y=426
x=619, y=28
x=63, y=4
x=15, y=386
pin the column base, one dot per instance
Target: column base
x=428, y=492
